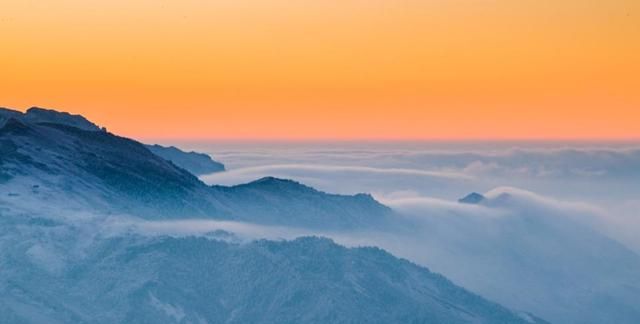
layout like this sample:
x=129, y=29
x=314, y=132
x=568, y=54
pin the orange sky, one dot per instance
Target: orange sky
x=345, y=69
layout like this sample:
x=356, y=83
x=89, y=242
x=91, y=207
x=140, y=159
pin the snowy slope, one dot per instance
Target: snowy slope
x=94, y=169
x=91, y=168
x=51, y=272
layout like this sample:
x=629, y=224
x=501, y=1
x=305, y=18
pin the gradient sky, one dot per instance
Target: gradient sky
x=330, y=69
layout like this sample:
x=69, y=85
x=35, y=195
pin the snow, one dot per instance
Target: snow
x=45, y=257
x=175, y=312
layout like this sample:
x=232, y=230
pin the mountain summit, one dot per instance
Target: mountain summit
x=473, y=198
x=36, y=115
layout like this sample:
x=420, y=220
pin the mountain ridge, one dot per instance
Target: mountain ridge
x=124, y=176
x=62, y=276
x=196, y=163
x=43, y=115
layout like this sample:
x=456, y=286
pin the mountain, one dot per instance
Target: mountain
x=91, y=169
x=6, y=114
x=472, y=198
x=299, y=205
x=194, y=162
x=54, y=272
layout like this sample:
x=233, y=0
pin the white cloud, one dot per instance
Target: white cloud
x=593, y=183
x=346, y=179
x=251, y=173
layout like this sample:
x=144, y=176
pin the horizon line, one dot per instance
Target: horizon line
x=621, y=140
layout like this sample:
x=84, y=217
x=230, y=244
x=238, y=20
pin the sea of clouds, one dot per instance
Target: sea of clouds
x=603, y=178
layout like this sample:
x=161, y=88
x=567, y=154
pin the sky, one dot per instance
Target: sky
x=347, y=69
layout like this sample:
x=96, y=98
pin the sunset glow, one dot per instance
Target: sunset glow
x=348, y=69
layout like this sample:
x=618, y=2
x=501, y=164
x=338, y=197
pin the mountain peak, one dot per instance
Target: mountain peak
x=37, y=115
x=473, y=198
x=274, y=180
x=43, y=115
x=6, y=114
x=270, y=181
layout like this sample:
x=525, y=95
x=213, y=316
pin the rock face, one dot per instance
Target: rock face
x=196, y=163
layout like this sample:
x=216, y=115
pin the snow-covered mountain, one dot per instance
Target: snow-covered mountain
x=57, y=273
x=49, y=159
x=194, y=162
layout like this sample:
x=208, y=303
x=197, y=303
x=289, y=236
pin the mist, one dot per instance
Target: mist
x=601, y=177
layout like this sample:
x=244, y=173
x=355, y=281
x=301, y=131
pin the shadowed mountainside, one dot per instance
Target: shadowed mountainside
x=194, y=162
